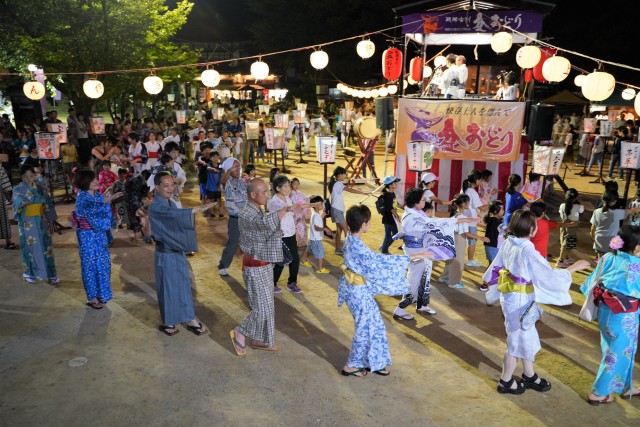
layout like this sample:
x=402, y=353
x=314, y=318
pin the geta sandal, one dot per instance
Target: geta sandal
x=198, y=330
x=168, y=329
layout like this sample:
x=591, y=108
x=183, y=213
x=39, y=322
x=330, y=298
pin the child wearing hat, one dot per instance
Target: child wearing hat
x=427, y=182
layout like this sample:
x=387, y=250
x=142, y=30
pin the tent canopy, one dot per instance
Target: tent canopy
x=565, y=97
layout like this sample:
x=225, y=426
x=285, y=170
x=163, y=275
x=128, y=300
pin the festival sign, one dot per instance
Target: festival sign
x=420, y=155
x=326, y=149
x=97, y=125
x=487, y=130
x=630, y=155
x=181, y=117
x=606, y=127
x=253, y=129
x=547, y=160
x=281, y=120
x=472, y=21
x=274, y=138
x=48, y=146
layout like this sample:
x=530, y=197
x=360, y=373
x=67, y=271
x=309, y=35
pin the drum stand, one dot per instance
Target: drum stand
x=301, y=132
x=367, y=146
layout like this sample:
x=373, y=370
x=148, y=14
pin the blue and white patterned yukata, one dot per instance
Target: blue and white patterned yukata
x=384, y=275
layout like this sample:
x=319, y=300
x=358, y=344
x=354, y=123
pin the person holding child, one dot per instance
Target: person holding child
x=316, y=234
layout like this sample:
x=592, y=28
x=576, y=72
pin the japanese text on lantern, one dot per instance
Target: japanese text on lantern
x=630, y=155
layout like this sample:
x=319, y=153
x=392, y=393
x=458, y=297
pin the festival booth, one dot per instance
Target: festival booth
x=468, y=133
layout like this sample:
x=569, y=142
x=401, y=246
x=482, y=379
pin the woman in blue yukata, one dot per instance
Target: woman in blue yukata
x=521, y=277
x=92, y=220
x=366, y=273
x=33, y=210
x=615, y=287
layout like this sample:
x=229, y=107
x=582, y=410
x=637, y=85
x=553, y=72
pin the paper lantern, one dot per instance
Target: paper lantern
x=579, y=80
x=340, y=87
x=326, y=149
x=411, y=81
x=415, y=65
x=365, y=49
x=153, y=85
x=528, y=75
x=546, y=53
x=319, y=59
x=426, y=72
x=367, y=93
x=598, y=86
x=393, y=89
x=348, y=105
x=547, y=160
x=630, y=153
x=34, y=90
x=383, y=91
x=181, y=117
x=93, y=88
x=259, y=70
x=628, y=93
x=375, y=93
x=391, y=63
x=440, y=61
x=528, y=56
x=210, y=78
x=556, y=69
x=501, y=42
x=420, y=155
x=636, y=104
x=299, y=116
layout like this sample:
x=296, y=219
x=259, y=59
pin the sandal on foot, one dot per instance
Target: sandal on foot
x=626, y=395
x=541, y=386
x=239, y=348
x=257, y=346
x=198, y=330
x=362, y=372
x=11, y=246
x=505, y=387
x=382, y=372
x=95, y=304
x=595, y=402
x=168, y=329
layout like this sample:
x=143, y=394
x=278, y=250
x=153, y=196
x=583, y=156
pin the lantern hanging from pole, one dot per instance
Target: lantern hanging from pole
x=34, y=90
x=326, y=149
x=528, y=75
x=628, y=94
x=501, y=42
x=210, y=78
x=365, y=49
x=420, y=155
x=440, y=61
x=546, y=53
x=598, y=86
x=426, y=72
x=415, y=65
x=392, y=63
x=93, y=88
x=319, y=59
x=411, y=81
x=579, y=80
x=153, y=84
x=556, y=69
x=528, y=56
x=259, y=70
x=383, y=91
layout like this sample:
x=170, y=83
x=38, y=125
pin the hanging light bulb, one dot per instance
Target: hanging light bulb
x=383, y=91
x=628, y=94
x=319, y=59
x=393, y=89
x=93, y=88
x=501, y=42
x=210, y=78
x=365, y=49
x=440, y=61
x=579, y=80
x=598, y=86
x=34, y=90
x=528, y=56
x=153, y=84
x=556, y=68
x=259, y=70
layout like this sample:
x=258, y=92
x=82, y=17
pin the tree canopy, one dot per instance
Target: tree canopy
x=64, y=36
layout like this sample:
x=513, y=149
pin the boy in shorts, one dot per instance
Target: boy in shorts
x=316, y=234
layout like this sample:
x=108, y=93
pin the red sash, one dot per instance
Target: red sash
x=153, y=154
x=249, y=261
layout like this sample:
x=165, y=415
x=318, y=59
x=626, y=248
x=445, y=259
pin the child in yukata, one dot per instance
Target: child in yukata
x=365, y=274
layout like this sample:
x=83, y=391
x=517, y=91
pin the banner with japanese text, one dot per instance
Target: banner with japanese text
x=461, y=129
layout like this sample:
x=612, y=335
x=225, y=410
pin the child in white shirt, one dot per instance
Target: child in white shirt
x=316, y=234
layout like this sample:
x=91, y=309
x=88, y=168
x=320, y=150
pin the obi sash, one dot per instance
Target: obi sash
x=351, y=276
x=34, y=209
x=137, y=157
x=249, y=261
x=153, y=154
x=617, y=302
x=412, y=242
x=508, y=283
x=80, y=223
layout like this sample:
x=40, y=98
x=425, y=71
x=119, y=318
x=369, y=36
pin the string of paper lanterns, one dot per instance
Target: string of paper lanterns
x=372, y=92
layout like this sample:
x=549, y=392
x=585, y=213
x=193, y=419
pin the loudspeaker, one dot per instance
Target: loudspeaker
x=384, y=113
x=540, y=122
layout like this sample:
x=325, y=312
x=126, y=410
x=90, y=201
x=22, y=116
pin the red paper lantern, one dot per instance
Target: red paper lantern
x=527, y=75
x=392, y=63
x=416, y=69
x=537, y=70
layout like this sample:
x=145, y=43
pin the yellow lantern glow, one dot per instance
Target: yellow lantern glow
x=556, y=69
x=34, y=90
x=319, y=59
x=365, y=49
x=501, y=42
x=210, y=78
x=598, y=86
x=383, y=91
x=528, y=56
x=93, y=88
x=153, y=85
x=393, y=89
x=259, y=70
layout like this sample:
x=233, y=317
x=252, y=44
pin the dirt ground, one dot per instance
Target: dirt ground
x=64, y=364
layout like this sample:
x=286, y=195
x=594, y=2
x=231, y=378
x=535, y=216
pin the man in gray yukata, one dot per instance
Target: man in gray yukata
x=235, y=199
x=174, y=231
x=261, y=245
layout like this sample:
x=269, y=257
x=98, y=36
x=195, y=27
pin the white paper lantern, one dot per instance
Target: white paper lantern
x=153, y=85
x=375, y=93
x=405, y=84
x=367, y=93
x=383, y=91
x=440, y=61
x=340, y=87
x=93, y=88
x=365, y=49
x=556, y=68
x=598, y=86
x=636, y=104
x=528, y=56
x=579, y=80
x=210, y=78
x=319, y=59
x=501, y=42
x=259, y=70
x=34, y=90
x=411, y=81
x=628, y=93
x=393, y=89
x=426, y=72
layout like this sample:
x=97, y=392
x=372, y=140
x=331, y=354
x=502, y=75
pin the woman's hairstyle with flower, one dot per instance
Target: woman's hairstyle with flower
x=627, y=239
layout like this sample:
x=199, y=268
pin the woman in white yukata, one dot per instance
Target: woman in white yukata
x=366, y=273
x=524, y=278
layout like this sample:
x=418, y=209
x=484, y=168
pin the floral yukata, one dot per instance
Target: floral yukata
x=93, y=242
x=524, y=278
x=620, y=274
x=383, y=275
x=33, y=210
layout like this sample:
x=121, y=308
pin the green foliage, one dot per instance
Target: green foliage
x=95, y=35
